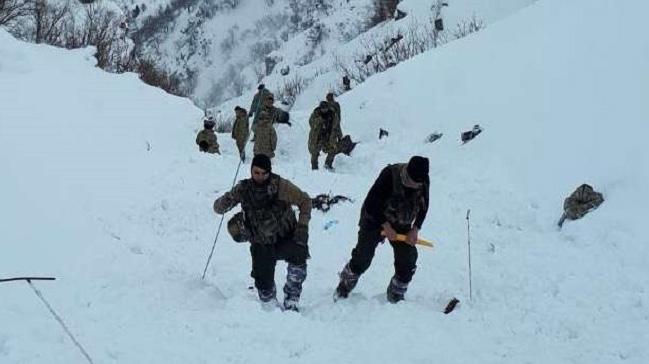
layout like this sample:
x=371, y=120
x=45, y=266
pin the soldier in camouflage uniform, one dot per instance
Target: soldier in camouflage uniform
x=269, y=222
x=324, y=135
x=397, y=203
x=240, y=130
x=265, y=135
x=334, y=104
x=580, y=202
x=206, y=138
x=257, y=103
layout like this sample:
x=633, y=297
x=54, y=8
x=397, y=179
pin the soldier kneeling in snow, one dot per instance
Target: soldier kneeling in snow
x=269, y=223
x=206, y=138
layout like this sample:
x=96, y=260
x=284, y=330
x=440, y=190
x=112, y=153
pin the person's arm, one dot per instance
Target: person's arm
x=423, y=208
x=378, y=194
x=229, y=200
x=290, y=193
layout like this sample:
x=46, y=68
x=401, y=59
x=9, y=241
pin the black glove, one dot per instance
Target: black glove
x=301, y=235
x=250, y=114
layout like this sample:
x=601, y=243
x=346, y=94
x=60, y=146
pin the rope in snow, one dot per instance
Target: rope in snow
x=218, y=230
x=60, y=321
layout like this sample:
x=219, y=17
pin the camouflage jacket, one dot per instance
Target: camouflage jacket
x=206, y=141
x=580, y=202
x=256, y=105
x=324, y=134
x=267, y=208
x=240, y=129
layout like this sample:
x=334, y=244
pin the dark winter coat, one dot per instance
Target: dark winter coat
x=389, y=200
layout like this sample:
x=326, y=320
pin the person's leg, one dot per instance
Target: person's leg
x=362, y=256
x=405, y=264
x=296, y=271
x=314, y=160
x=263, y=270
x=329, y=161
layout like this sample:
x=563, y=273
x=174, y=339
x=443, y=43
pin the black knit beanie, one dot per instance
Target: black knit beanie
x=262, y=161
x=418, y=168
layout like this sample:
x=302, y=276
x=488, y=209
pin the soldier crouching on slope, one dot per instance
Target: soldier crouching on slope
x=206, y=138
x=397, y=203
x=269, y=222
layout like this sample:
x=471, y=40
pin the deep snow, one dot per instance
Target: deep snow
x=104, y=189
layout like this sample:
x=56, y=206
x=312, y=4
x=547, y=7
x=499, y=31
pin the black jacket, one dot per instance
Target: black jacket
x=372, y=212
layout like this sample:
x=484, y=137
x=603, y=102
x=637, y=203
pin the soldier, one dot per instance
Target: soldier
x=256, y=105
x=269, y=222
x=240, y=131
x=265, y=135
x=206, y=138
x=334, y=104
x=397, y=203
x=324, y=135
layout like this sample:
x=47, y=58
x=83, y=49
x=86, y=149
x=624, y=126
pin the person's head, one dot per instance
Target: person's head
x=260, y=168
x=238, y=111
x=209, y=122
x=324, y=108
x=269, y=99
x=416, y=172
x=261, y=86
x=330, y=97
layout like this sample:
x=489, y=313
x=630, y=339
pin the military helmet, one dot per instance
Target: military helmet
x=237, y=228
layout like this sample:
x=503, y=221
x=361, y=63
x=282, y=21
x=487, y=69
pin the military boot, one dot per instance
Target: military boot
x=268, y=298
x=348, y=280
x=295, y=276
x=396, y=290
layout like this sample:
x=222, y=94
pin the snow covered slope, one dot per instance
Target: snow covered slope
x=107, y=193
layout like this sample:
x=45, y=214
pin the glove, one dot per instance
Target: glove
x=301, y=235
x=250, y=114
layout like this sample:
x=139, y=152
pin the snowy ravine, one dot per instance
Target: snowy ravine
x=103, y=188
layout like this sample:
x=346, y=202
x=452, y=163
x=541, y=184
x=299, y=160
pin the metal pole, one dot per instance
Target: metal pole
x=468, y=235
x=60, y=321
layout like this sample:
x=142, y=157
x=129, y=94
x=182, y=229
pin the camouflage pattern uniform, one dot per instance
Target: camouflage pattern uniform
x=265, y=135
x=580, y=202
x=240, y=131
x=206, y=140
x=273, y=232
x=257, y=103
x=324, y=135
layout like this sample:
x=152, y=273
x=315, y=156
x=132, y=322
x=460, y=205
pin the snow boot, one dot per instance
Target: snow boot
x=348, y=280
x=396, y=290
x=295, y=276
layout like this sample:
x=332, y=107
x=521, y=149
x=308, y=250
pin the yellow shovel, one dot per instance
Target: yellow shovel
x=402, y=238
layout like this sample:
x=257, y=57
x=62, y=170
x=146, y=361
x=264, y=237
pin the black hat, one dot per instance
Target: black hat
x=261, y=161
x=261, y=86
x=418, y=168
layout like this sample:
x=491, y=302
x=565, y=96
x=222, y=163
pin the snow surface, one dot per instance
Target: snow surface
x=104, y=189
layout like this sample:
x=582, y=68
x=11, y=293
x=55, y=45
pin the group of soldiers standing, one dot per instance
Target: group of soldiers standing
x=324, y=136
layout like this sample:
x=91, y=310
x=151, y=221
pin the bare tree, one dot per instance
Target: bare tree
x=48, y=19
x=12, y=10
